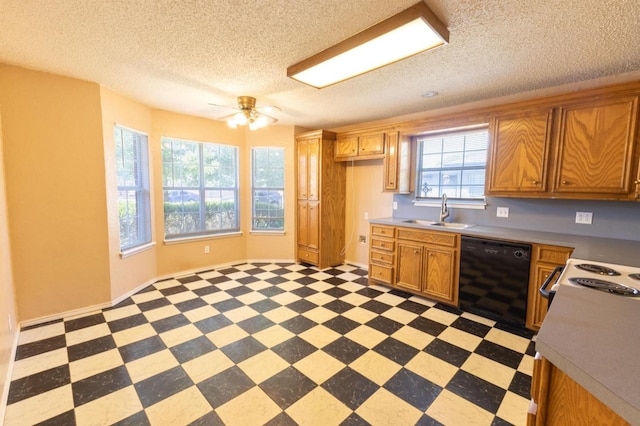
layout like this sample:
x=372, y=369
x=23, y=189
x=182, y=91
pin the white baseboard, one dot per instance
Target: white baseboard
x=7, y=382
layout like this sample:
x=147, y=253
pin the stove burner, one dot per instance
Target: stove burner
x=598, y=269
x=634, y=276
x=606, y=286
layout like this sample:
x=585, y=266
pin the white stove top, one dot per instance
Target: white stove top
x=625, y=273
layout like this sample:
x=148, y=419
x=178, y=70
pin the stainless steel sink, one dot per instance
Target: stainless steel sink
x=452, y=225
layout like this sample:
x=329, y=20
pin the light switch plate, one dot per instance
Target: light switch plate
x=584, y=218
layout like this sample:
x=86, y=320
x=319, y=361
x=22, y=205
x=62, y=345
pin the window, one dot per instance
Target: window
x=200, y=184
x=267, y=183
x=452, y=164
x=132, y=170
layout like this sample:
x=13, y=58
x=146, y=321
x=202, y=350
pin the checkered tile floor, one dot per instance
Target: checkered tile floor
x=275, y=344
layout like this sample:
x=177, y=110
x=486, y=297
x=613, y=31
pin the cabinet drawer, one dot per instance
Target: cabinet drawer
x=383, y=231
x=428, y=237
x=381, y=257
x=553, y=254
x=381, y=244
x=381, y=273
x=310, y=256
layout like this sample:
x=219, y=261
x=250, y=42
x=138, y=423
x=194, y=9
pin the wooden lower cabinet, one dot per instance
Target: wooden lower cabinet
x=426, y=262
x=561, y=401
x=544, y=259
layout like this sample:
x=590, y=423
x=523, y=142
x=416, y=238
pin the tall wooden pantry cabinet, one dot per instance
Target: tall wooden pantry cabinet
x=321, y=187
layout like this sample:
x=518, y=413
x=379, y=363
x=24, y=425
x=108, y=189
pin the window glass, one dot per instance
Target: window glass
x=200, y=184
x=452, y=164
x=267, y=185
x=132, y=171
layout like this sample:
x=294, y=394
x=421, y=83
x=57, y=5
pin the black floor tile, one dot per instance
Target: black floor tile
x=400, y=293
x=341, y=324
x=67, y=418
x=428, y=421
x=265, y=305
x=101, y=384
x=447, y=352
x=281, y=419
x=170, y=323
x=294, y=349
x=189, y=305
x=240, y=290
x=336, y=292
x=255, y=324
x=369, y=292
x=271, y=291
x=472, y=327
x=83, y=322
x=189, y=279
x=162, y=386
x=243, y=349
x=225, y=386
x=127, y=322
x=350, y=387
x=385, y=325
x=214, y=323
x=345, y=350
x=521, y=385
x=395, y=350
x=246, y=280
x=428, y=326
x=137, y=419
x=209, y=419
x=298, y=324
x=301, y=305
x=375, y=306
x=414, y=389
x=192, y=349
x=142, y=348
x=499, y=353
x=354, y=420
x=338, y=306
x=154, y=304
x=92, y=347
x=228, y=305
x=40, y=346
x=416, y=308
x=173, y=290
x=203, y=291
x=335, y=281
x=218, y=280
x=275, y=281
x=476, y=390
x=287, y=387
x=35, y=384
x=306, y=280
x=304, y=291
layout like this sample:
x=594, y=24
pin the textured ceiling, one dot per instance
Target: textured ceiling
x=182, y=55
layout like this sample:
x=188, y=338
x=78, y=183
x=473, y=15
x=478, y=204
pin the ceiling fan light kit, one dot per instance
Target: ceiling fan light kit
x=408, y=33
x=249, y=114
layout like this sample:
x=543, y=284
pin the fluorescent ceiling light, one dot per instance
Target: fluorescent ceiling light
x=410, y=32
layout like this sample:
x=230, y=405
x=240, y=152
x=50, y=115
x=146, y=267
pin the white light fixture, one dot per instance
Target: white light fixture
x=408, y=33
x=249, y=114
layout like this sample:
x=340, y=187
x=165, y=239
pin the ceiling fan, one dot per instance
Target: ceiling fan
x=248, y=113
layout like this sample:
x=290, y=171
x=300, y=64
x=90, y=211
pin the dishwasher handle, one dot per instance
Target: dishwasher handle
x=543, y=290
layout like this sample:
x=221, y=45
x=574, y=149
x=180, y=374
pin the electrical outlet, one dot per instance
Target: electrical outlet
x=584, y=217
x=366, y=215
x=395, y=205
x=502, y=212
x=206, y=249
x=362, y=239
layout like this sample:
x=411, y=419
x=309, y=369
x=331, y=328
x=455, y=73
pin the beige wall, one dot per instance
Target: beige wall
x=55, y=175
x=364, y=195
x=8, y=327
x=261, y=246
x=127, y=273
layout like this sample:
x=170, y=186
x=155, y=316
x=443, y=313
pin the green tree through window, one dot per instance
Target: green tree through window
x=267, y=181
x=200, y=184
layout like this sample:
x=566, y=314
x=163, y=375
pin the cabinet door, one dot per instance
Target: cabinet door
x=371, y=144
x=313, y=222
x=391, y=163
x=536, y=304
x=440, y=269
x=519, y=149
x=409, y=270
x=595, y=147
x=303, y=170
x=313, y=164
x=303, y=223
x=346, y=148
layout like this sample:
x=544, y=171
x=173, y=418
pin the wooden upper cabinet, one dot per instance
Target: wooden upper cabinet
x=364, y=146
x=596, y=144
x=519, y=149
x=391, y=163
x=303, y=170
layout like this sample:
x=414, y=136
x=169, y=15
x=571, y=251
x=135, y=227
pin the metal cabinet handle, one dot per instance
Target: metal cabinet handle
x=535, y=182
x=565, y=182
x=416, y=252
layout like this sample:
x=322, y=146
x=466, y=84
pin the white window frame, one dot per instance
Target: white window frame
x=134, y=216
x=453, y=191
x=202, y=190
x=271, y=198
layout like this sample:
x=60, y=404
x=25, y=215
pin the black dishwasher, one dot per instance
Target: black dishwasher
x=494, y=278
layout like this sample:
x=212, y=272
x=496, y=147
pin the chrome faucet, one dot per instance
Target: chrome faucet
x=444, y=210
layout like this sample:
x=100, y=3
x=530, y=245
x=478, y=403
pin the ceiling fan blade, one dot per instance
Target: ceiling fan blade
x=268, y=108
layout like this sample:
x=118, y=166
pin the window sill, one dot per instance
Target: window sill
x=135, y=250
x=459, y=204
x=260, y=232
x=181, y=240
